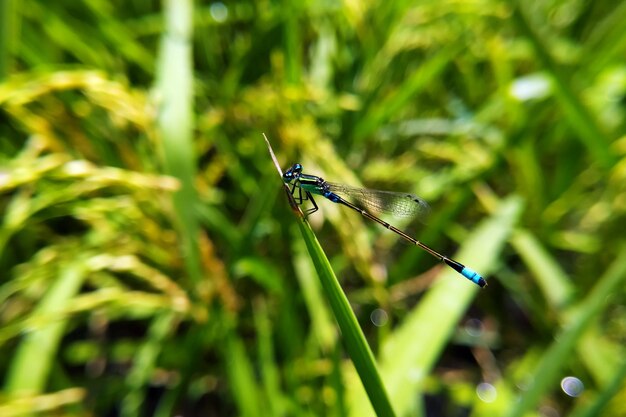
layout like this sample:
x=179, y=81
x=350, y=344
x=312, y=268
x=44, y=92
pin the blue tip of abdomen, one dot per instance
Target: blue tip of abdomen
x=473, y=276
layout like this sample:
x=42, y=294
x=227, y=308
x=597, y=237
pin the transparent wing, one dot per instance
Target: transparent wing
x=398, y=204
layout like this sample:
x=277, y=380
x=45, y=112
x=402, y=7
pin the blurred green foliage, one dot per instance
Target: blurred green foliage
x=152, y=266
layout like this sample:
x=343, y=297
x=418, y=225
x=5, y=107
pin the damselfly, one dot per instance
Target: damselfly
x=303, y=186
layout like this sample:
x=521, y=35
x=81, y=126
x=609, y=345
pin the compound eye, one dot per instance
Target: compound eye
x=289, y=174
x=297, y=168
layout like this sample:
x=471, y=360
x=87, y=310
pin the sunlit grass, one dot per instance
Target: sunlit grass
x=152, y=265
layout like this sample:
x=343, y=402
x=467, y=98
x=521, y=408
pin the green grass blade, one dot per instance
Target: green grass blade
x=33, y=360
x=352, y=335
x=380, y=114
x=8, y=35
x=558, y=354
x=603, y=397
x=293, y=41
x=557, y=288
x=277, y=402
x=145, y=363
x=44, y=404
x=607, y=40
x=240, y=370
x=175, y=88
x=555, y=284
x=589, y=132
x=321, y=319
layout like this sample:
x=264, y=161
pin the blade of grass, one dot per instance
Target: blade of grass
x=192, y=344
x=41, y=405
x=381, y=113
x=321, y=321
x=8, y=35
x=352, y=335
x=554, y=283
x=70, y=34
x=558, y=290
x=293, y=41
x=240, y=373
x=277, y=402
x=30, y=367
x=145, y=364
x=175, y=121
x=605, y=395
x=578, y=116
x=335, y=380
x=117, y=32
x=606, y=41
x=558, y=354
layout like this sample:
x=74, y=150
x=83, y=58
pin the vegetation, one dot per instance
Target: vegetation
x=152, y=265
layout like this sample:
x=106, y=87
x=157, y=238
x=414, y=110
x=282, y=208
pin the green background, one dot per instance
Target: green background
x=150, y=262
